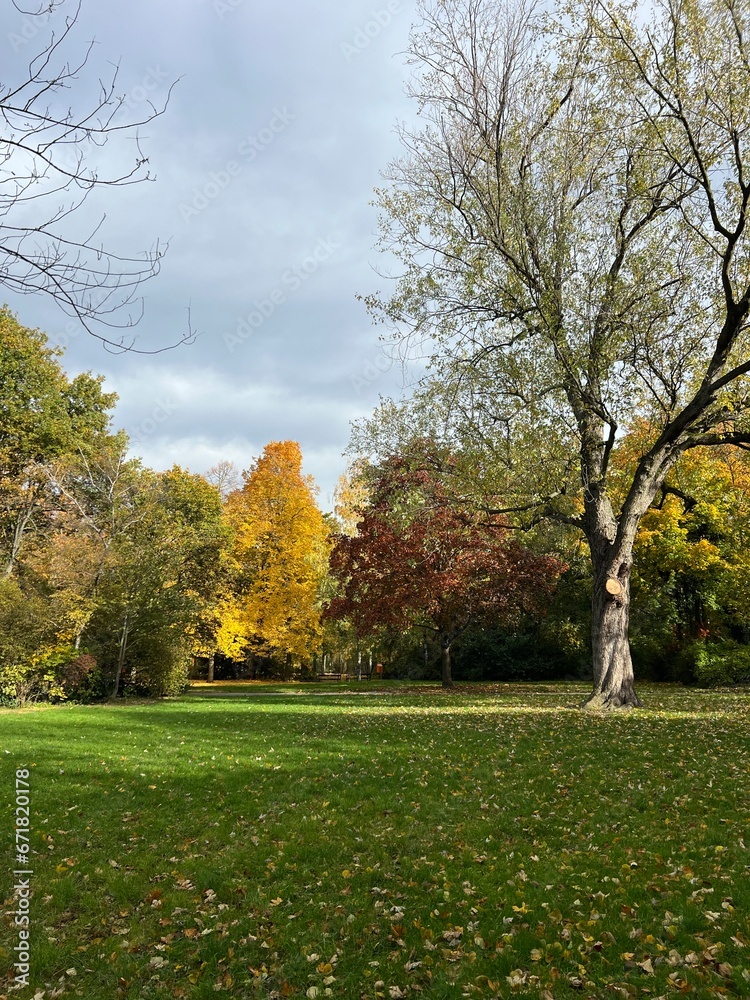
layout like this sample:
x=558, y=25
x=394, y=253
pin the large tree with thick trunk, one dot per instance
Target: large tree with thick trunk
x=570, y=219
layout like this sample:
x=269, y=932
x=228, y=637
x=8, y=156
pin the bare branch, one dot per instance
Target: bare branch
x=50, y=167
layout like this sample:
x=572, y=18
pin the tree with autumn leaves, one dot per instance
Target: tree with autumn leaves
x=692, y=569
x=107, y=569
x=417, y=560
x=115, y=577
x=271, y=607
x=570, y=219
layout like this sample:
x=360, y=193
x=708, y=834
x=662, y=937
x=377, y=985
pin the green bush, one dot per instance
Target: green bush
x=497, y=655
x=719, y=664
x=158, y=664
x=25, y=638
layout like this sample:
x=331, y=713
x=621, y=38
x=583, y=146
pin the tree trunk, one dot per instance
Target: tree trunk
x=121, y=656
x=611, y=547
x=18, y=536
x=211, y=659
x=610, y=615
x=445, y=663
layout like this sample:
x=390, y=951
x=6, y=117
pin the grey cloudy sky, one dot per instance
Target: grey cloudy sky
x=265, y=165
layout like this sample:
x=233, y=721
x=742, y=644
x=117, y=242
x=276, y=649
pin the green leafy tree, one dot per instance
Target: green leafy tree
x=37, y=654
x=161, y=537
x=571, y=224
x=44, y=416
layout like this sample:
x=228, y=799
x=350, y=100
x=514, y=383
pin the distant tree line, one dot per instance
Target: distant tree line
x=117, y=579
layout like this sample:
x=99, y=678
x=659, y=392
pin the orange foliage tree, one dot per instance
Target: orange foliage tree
x=279, y=560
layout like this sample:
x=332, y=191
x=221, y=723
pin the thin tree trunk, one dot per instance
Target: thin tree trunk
x=445, y=663
x=18, y=535
x=211, y=659
x=121, y=656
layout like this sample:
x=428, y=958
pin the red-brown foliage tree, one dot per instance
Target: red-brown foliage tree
x=419, y=561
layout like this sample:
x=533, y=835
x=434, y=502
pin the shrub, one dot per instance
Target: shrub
x=79, y=676
x=158, y=664
x=497, y=655
x=718, y=664
x=24, y=634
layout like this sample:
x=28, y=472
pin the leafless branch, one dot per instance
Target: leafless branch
x=50, y=165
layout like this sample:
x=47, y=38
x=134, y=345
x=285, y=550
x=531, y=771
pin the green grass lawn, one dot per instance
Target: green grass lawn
x=484, y=843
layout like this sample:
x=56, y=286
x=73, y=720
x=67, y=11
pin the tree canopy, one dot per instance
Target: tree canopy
x=279, y=556
x=417, y=561
x=570, y=221
x=44, y=416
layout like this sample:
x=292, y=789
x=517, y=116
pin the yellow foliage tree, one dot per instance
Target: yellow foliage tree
x=351, y=496
x=693, y=541
x=280, y=559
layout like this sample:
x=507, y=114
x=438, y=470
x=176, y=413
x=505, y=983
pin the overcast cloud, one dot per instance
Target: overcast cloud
x=265, y=166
